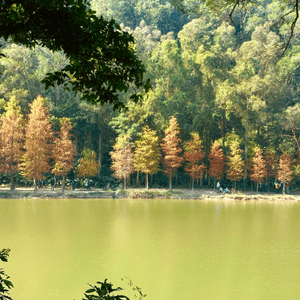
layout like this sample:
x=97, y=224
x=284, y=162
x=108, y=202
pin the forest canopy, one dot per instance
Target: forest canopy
x=101, y=59
x=227, y=82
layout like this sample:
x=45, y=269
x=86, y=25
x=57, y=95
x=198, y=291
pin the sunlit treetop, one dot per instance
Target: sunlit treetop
x=102, y=61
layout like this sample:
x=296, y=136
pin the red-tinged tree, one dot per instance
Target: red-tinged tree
x=271, y=164
x=122, y=160
x=38, y=137
x=171, y=161
x=235, y=163
x=258, y=170
x=285, y=172
x=63, y=151
x=11, y=139
x=87, y=165
x=216, y=162
x=193, y=155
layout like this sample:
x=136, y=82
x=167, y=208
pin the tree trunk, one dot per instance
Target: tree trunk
x=235, y=186
x=170, y=182
x=193, y=181
x=147, y=181
x=35, y=184
x=63, y=183
x=12, y=185
x=283, y=188
x=137, y=177
x=257, y=187
x=215, y=183
x=99, y=153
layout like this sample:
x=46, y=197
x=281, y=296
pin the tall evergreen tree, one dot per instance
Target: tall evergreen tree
x=64, y=151
x=11, y=139
x=171, y=160
x=147, y=154
x=38, y=136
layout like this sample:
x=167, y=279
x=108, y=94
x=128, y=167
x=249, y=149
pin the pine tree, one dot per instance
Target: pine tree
x=38, y=135
x=122, y=159
x=64, y=151
x=193, y=155
x=258, y=170
x=87, y=165
x=285, y=169
x=235, y=163
x=11, y=139
x=216, y=162
x=147, y=154
x=171, y=160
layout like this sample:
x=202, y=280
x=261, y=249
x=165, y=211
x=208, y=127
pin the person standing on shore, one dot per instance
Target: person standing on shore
x=218, y=187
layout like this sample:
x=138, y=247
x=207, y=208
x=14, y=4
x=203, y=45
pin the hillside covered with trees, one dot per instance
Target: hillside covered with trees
x=225, y=83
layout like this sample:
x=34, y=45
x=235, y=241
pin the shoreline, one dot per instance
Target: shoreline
x=141, y=193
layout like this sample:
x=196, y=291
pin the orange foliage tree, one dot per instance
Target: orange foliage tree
x=235, y=163
x=38, y=136
x=193, y=155
x=63, y=151
x=285, y=169
x=11, y=139
x=216, y=162
x=122, y=159
x=271, y=164
x=87, y=165
x=147, y=153
x=258, y=170
x=171, y=160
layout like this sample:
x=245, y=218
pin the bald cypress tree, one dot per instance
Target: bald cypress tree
x=285, y=169
x=193, y=155
x=235, y=163
x=11, y=139
x=147, y=154
x=170, y=146
x=216, y=162
x=38, y=137
x=63, y=151
x=258, y=170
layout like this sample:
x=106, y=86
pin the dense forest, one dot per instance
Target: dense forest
x=226, y=80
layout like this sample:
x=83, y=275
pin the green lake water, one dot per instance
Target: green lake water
x=172, y=249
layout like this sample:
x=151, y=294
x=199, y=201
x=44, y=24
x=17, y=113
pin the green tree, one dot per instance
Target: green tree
x=102, y=61
x=5, y=283
x=147, y=154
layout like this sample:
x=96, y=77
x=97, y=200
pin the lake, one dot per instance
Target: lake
x=172, y=249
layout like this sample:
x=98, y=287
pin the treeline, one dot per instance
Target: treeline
x=149, y=154
x=216, y=78
x=34, y=149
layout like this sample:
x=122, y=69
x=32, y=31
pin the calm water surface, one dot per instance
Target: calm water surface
x=177, y=250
